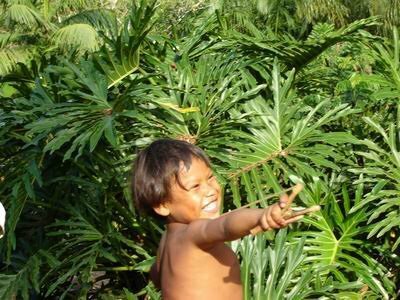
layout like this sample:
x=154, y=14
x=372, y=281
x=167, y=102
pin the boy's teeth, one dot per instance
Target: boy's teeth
x=210, y=206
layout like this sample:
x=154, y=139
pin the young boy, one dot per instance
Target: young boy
x=174, y=180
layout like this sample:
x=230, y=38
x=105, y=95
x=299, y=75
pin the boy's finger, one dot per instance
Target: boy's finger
x=264, y=224
x=297, y=189
x=271, y=222
x=294, y=219
x=277, y=216
x=283, y=201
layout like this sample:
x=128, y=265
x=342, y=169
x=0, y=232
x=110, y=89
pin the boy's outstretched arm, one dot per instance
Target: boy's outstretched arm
x=238, y=223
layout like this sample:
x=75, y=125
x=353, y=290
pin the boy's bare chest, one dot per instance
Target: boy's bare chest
x=199, y=273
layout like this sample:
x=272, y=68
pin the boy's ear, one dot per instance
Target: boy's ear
x=162, y=209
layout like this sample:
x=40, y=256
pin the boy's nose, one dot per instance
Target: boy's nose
x=210, y=194
x=211, y=191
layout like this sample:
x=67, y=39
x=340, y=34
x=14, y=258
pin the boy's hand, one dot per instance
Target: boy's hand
x=272, y=218
x=278, y=215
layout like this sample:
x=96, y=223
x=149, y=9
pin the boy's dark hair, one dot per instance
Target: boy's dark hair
x=156, y=166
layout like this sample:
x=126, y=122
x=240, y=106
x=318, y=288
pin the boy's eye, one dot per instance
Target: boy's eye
x=194, y=186
x=211, y=177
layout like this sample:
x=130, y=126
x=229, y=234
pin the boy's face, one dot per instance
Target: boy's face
x=200, y=197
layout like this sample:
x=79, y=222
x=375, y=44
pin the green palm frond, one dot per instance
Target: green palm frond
x=123, y=59
x=388, y=73
x=199, y=41
x=277, y=125
x=22, y=175
x=268, y=273
x=285, y=139
x=333, y=11
x=21, y=283
x=74, y=4
x=94, y=245
x=388, y=10
x=85, y=242
x=279, y=14
x=292, y=53
x=239, y=15
x=255, y=17
x=24, y=15
x=277, y=269
x=77, y=123
x=101, y=19
x=324, y=36
x=76, y=37
x=14, y=49
x=338, y=240
x=8, y=38
x=383, y=165
x=197, y=98
x=11, y=56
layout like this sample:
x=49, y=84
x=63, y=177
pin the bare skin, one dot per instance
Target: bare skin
x=193, y=261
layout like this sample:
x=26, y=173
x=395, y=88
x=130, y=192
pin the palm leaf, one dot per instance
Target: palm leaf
x=383, y=168
x=292, y=53
x=195, y=99
x=278, y=270
x=293, y=145
x=78, y=124
x=123, y=59
x=9, y=58
x=24, y=15
x=76, y=37
x=338, y=239
x=20, y=284
x=12, y=53
x=332, y=10
x=101, y=19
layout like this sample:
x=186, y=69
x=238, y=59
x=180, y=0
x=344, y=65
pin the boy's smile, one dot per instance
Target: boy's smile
x=197, y=196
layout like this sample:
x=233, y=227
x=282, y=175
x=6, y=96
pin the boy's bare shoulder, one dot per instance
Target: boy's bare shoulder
x=187, y=232
x=203, y=232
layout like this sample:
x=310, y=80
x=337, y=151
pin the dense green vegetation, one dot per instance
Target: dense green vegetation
x=276, y=92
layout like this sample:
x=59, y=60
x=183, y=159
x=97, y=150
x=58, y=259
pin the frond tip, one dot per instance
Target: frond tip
x=24, y=15
x=76, y=37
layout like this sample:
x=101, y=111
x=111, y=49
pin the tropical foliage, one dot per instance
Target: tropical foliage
x=276, y=92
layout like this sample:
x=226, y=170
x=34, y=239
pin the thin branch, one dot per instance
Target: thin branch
x=245, y=169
